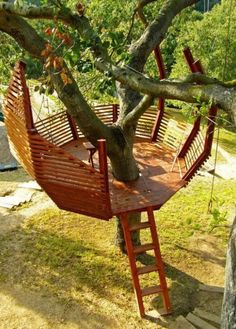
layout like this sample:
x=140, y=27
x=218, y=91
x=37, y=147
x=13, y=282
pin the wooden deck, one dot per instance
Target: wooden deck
x=155, y=185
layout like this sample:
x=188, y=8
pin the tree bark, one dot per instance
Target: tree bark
x=228, y=316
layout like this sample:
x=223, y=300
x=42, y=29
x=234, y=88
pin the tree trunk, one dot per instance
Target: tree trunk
x=228, y=316
x=124, y=168
x=134, y=218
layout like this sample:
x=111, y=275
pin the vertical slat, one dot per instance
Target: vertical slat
x=160, y=63
x=72, y=126
x=190, y=60
x=192, y=135
x=210, y=128
x=102, y=154
x=114, y=112
x=157, y=124
x=161, y=101
x=198, y=66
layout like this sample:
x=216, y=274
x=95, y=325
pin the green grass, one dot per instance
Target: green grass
x=227, y=140
x=73, y=257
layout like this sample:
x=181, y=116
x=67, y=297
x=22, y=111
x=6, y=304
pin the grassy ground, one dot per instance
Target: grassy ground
x=72, y=259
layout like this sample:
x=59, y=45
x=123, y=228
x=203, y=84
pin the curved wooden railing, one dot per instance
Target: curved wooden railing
x=66, y=179
x=197, y=149
x=39, y=147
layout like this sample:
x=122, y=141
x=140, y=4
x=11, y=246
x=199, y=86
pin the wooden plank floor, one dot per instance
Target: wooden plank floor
x=156, y=182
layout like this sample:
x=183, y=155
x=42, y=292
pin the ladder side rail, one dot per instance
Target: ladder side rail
x=157, y=251
x=131, y=256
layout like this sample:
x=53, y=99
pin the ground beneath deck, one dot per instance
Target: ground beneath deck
x=159, y=177
x=56, y=274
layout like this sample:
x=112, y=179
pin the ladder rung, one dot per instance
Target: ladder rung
x=147, y=269
x=139, y=226
x=151, y=290
x=142, y=248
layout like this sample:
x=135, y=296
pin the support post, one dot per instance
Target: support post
x=114, y=112
x=157, y=124
x=161, y=101
x=102, y=154
x=72, y=126
x=26, y=98
x=210, y=128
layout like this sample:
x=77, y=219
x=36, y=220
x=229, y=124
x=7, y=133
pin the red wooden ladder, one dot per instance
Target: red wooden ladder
x=136, y=271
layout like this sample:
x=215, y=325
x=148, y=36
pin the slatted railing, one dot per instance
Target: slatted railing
x=195, y=150
x=146, y=122
x=61, y=128
x=17, y=120
x=66, y=179
x=56, y=129
x=171, y=132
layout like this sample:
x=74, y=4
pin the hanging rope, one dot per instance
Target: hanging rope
x=210, y=204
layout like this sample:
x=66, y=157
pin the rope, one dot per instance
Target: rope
x=210, y=204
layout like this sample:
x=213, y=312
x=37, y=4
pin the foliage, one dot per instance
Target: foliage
x=186, y=17
x=212, y=41
x=9, y=54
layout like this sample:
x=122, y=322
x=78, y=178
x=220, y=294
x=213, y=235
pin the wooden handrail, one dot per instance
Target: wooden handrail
x=161, y=101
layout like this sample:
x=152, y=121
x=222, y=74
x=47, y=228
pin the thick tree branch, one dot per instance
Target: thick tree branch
x=141, y=5
x=26, y=36
x=189, y=92
x=155, y=32
x=133, y=117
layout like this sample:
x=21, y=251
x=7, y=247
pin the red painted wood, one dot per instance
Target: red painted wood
x=210, y=129
x=158, y=121
x=160, y=63
x=115, y=112
x=190, y=60
x=73, y=126
x=160, y=264
x=132, y=251
x=196, y=66
x=132, y=262
x=161, y=101
x=192, y=135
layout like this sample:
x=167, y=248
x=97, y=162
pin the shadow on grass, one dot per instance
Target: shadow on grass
x=60, y=278
x=182, y=290
x=69, y=271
